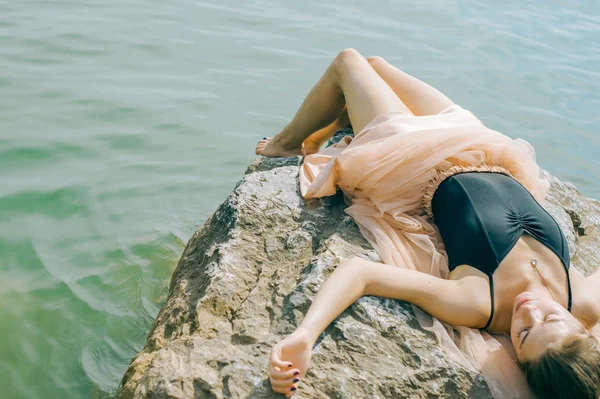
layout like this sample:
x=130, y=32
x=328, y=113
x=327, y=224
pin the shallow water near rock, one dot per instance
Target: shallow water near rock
x=123, y=125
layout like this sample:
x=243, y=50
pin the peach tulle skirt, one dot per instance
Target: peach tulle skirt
x=384, y=172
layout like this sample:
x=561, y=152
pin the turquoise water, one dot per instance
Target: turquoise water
x=123, y=124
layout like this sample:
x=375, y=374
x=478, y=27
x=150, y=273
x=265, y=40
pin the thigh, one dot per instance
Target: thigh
x=419, y=97
x=366, y=93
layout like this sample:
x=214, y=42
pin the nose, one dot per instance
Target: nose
x=530, y=313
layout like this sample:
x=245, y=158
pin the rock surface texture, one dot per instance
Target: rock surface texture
x=247, y=277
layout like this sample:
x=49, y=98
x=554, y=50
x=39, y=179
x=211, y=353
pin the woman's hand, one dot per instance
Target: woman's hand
x=290, y=359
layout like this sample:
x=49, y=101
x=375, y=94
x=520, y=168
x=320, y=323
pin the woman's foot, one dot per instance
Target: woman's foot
x=268, y=147
x=310, y=147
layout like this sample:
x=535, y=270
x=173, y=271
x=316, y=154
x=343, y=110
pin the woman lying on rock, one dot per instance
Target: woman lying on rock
x=452, y=209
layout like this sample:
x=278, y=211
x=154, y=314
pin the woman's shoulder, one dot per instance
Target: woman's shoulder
x=474, y=287
x=586, y=296
x=462, y=271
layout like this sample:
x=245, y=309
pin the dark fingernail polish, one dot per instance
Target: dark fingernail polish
x=296, y=373
x=295, y=380
x=289, y=365
x=293, y=389
x=264, y=138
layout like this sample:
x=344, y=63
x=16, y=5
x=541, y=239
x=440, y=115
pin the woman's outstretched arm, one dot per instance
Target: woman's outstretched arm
x=454, y=302
x=357, y=277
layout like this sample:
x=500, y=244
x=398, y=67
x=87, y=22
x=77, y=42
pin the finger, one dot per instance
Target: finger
x=283, y=375
x=284, y=391
x=284, y=383
x=292, y=391
x=277, y=362
x=288, y=391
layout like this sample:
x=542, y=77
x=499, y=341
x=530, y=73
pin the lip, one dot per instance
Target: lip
x=522, y=302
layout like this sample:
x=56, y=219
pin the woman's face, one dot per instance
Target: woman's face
x=537, y=323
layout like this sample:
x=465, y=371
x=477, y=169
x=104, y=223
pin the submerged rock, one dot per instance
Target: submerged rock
x=247, y=277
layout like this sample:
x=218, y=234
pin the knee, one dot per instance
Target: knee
x=346, y=61
x=375, y=61
x=347, y=57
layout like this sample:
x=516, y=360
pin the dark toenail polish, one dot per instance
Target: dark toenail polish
x=293, y=389
x=295, y=380
x=264, y=138
x=296, y=373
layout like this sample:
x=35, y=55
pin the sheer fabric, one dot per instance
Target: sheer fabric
x=384, y=172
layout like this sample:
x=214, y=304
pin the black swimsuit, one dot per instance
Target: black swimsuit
x=482, y=215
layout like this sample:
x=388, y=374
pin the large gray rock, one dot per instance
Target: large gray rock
x=247, y=277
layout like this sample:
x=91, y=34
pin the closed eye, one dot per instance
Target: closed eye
x=546, y=319
x=525, y=330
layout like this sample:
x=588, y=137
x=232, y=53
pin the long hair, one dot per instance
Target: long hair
x=568, y=369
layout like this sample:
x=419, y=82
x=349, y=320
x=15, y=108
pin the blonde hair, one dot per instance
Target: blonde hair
x=568, y=369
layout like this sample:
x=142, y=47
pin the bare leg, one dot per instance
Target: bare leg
x=315, y=141
x=422, y=99
x=350, y=81
x=419, y=97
